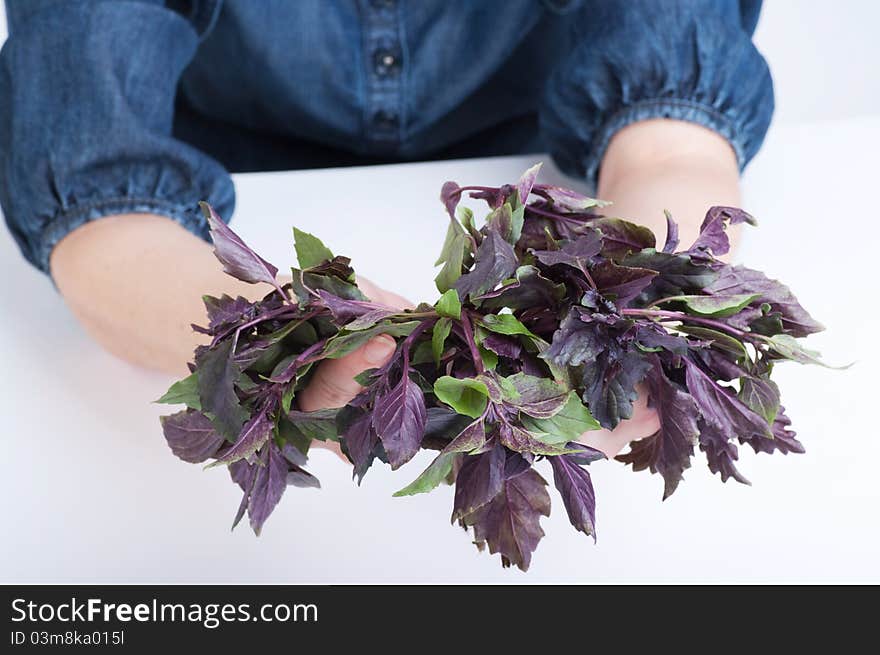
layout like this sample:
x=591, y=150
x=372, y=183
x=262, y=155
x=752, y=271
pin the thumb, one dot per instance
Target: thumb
x=333, y=384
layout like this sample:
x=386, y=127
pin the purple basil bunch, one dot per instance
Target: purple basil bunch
x=551, y=313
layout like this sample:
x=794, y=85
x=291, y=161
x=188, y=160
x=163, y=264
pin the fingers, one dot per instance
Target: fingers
x=644, y=423
x=332, y=446
x=333, y=384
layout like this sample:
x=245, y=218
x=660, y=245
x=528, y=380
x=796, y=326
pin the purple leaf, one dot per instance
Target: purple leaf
x=668, y=451
x=502, y=345
x=653, y=336
x=517, y=464
x=576, y=254
x=269, y=484
x=253, y=435
x=510, y=522
x=741, y=280
x=576, y=488
x=609, y=383
x=479, y=480
x=297, y=477
x=721, y=407
x=399, y=420
x=218, y=372
x=582, y=454
x=243, y=474
x=526, y=182
x=566, y=199
x=495, y=261
x=623, y=283
x=783, y=439
x=191, y=436
x=713, y=235
x=494, y=196
x=621, y=237
x=721, y=453
x=360, y=440
x=671, y=234
x=293, y=454
x=450, y=195
x=719, y=364
x=522, y=441
x=226, y=311
x=575, y=342
x=237, y=258
x=678, y=273
x=530, y=289
x=345, y=310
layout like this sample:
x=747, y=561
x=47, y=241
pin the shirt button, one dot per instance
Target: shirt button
x=386, y=121
x=386, y=62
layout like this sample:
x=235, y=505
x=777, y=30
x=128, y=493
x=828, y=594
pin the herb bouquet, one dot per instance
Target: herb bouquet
x=549, y=317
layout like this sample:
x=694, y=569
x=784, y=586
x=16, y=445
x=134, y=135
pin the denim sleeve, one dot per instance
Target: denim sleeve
x=690, y=60
x=87, y=93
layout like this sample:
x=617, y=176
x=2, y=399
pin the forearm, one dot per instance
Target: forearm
x=135, y=283
x=648, y=167
x=662, y=164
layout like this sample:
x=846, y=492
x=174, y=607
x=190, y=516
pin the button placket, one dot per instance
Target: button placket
x=384, y=61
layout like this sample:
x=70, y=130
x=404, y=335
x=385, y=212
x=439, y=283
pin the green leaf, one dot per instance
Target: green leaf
x=347, y=342
x=287, y=396
x=442, y=328
x=718, y=305
x=466, y=216
x=509, y=390
x=465, y=395
x=287, y=431
x=449, y=304
x=304, y=280
x=508, y=221
x=566, y=425
x=490, y=359
x=505, y=324
x=300, y=332
x=454, y=231
x=517, y=220
x=718, y=339
x=787, y=346
x=431, y=477
x=422, y=354
x=469, y=439
x=451, y=271
x=309, y=249
x=319, y=425
x=761, y=395
x=184, y=392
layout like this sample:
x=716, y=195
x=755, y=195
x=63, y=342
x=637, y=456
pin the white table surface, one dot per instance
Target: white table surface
x=90, y=492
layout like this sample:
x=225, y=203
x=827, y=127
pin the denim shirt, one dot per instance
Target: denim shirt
x=127, y=106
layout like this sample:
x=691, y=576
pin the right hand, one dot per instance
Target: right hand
x=333, y=384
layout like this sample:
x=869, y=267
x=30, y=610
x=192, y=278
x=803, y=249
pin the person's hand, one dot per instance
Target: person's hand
x=644, y=423
x=333, y=384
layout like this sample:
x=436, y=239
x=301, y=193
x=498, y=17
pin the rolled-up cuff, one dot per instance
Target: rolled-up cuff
x=683, y=110
x=74, y=217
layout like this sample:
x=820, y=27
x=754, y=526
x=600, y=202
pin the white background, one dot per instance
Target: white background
x=89, y=491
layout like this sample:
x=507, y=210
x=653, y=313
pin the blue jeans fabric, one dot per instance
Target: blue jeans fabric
x=122, y=106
